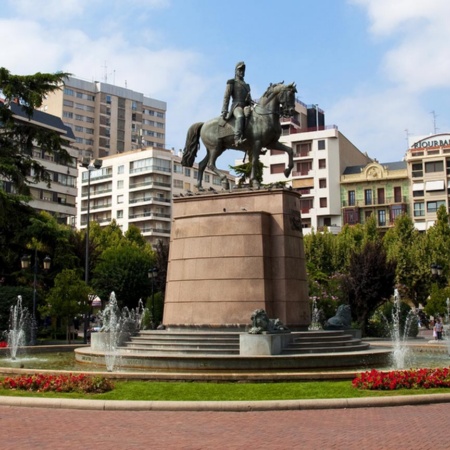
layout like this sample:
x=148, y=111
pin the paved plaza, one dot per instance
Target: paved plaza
x=397, y=428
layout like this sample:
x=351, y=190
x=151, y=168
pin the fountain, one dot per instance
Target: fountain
x=117, y=326
x=19, y=325
x=315, y=316
x=401, y=355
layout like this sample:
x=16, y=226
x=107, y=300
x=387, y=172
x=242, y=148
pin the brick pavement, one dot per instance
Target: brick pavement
x=397, y=428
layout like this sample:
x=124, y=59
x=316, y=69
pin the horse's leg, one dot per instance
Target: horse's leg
x=256, y=151
x=214, y=154
x=201, y=168
x=279, y=146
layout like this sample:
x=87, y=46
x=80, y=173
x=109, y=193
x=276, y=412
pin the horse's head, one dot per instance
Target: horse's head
x=287, y=99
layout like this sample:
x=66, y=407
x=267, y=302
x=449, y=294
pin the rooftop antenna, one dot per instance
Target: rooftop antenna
x=105, y=77
x=434, y=121
x=408, y=134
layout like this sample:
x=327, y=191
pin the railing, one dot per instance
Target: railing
x=376, y=202
x=149, y=199
x=149, y=183
x=149, y=214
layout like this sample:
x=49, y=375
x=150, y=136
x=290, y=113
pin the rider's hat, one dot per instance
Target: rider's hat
x=240, y=65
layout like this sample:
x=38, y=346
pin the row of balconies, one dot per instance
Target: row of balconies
x=375, y=202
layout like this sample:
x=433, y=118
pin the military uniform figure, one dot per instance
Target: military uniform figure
x=239, y=91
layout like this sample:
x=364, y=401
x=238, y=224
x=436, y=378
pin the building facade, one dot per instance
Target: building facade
x=428, y=162
x=321, y=154
x=58, y=199
x=381, y=190
x=136, y=188
x=108, y=119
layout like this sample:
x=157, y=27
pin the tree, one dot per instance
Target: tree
x=21, y=95
x=124, y=270
x=369, y=283
x=68, y=298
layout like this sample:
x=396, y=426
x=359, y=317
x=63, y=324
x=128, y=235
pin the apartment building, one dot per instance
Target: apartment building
x=136, y=188
x=428, y=164
x=59, y=198
x=108, y=119
x=381, y=190
x=321, y=155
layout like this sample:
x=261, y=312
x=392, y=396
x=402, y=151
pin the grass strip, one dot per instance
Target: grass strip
x=199, y=391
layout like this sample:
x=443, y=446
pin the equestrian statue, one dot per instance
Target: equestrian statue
x=251, y=129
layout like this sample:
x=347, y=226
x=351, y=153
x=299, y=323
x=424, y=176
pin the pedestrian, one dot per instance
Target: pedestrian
x=438, y=327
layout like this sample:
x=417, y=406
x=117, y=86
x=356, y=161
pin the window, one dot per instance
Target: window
x=381, y=218
x=321, y=144
x=305, y=205
x=351, y=198
x=323, y=202
x=119, y=184
x=368, y=196
x=434, y=166
x=207, y=178
x=187, y=186
x=417, y=170
x=397, y=194
x=380, y=194
x=351, y=217
x=187, y=172
x=120, y=199
x=396, y=210
x=178, y=184
x=68, y=91
x=120, y=214
x=432, y=207
x=419, y=209
x=120, y=169
x=277, y=168
x=276, y=152
x=303, y=149
x=322, y=163
x=322, y=183
x=304, y=168
x=177, y=168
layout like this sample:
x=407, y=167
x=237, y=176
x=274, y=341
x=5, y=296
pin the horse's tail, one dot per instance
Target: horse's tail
x=192, y=144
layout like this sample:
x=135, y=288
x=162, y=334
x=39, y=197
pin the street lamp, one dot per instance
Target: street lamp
x=89, y=165
x=448, y=309
x=25, y=263
x=152, y=273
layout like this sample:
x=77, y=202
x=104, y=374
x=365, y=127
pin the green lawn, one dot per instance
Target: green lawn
x=195, y=391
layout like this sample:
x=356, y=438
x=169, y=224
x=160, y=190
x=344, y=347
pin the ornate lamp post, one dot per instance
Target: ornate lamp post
x=25, y=263
x=90, y=166
x=152, y=273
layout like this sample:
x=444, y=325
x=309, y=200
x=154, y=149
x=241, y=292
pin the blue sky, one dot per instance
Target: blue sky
x=378, y=68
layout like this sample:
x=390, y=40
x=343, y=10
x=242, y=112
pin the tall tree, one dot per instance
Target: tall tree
x=20, y=95
x=369, y=283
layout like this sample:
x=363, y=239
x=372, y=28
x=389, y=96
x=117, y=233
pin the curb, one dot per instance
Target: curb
x=224, y=406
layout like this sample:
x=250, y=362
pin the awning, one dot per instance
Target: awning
x=418, y=187
x=421, y=226
x=435, y=185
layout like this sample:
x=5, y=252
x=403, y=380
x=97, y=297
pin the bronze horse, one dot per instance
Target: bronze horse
x=262, y=131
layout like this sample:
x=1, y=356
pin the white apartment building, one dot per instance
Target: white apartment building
x=321, y=154
x=59, y=198
x=137, y=188
x=108, y=119
x=428, y=163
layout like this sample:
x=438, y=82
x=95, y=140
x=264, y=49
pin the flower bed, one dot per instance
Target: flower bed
x=403, y=379
x=58, y=383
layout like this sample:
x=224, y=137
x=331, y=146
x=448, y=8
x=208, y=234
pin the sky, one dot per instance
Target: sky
x=380, y=69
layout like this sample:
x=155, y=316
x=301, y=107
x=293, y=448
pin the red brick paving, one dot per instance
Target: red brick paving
x=396, y=428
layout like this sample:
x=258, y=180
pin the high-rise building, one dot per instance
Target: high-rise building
x=108, y=119
x=428, y=161
x=321, y=154
x=136, y=188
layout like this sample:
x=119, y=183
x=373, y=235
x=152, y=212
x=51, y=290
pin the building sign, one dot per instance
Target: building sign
x=442, y=140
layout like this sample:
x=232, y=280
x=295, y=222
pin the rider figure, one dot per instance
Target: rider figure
x=239, y=91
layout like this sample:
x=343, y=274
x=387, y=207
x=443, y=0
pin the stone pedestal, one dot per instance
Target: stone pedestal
x=234, y=252
x=262, y=344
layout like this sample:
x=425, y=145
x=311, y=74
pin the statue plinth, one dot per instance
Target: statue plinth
x=234, y=252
